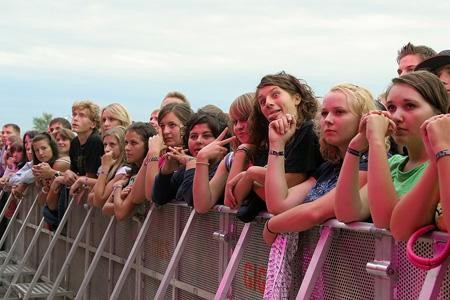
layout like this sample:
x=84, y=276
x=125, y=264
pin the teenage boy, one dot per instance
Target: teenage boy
x=86, y=149
x=85, y=158
x=56, y=124
x=409, y=56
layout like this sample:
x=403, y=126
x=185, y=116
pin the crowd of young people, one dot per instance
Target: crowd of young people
x=278, y=149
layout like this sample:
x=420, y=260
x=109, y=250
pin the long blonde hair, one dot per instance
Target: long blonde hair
x=360, y=101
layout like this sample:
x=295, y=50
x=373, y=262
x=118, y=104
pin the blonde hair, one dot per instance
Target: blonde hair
x=119, y=112
x=92, y=108
x=119, y=134
x=360, y=101
x=240, y=109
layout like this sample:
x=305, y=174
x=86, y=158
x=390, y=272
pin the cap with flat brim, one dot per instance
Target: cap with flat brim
x=435, y=62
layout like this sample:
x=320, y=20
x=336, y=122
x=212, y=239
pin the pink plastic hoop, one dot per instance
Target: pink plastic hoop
x=423, y=262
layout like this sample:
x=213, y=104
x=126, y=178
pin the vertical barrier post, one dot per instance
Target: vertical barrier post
x=384, y=252
x=98, y=254
x=175, y=258
x=233, y=265
x=434, y=278
x=136, y=247
x=316, y=264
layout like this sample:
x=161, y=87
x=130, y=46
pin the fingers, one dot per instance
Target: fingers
x=226, y=141
x=283, y=124
x=222, y=134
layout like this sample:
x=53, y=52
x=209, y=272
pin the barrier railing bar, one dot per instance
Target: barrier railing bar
x=131, y=257
x=49, y=249
x=72, y=252
x=175, y=258
x=316, y=264
x=95, y=260
x=19, y=234
x=11, y=222
x=25, y=258
x=5, y=208
x=432, y=282
x=233, y=264
x=357, y=226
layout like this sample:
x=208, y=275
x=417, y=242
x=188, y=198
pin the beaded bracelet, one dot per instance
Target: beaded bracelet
x=353, y=152
x=442, y=153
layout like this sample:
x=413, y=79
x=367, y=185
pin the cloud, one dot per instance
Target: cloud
x=145, y=48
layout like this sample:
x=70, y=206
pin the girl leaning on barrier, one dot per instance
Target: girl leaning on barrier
x=411, y=99
x=311, y=202
x=207, y=193
x=112, y=166
x=46, y=168
x=121, y=202
x=276, y=96
x=175, y=179
x=172, y=120
x=428, y=202
x=23, y=177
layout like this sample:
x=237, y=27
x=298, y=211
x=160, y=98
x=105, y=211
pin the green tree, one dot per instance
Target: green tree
x=41, y=123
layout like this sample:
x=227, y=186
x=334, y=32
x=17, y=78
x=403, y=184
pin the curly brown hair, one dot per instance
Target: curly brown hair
x=306, y=110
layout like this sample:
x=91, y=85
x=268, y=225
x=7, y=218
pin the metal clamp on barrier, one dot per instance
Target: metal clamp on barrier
x=381, y=268
x=221, y=236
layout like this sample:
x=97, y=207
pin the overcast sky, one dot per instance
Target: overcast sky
x=134, y=52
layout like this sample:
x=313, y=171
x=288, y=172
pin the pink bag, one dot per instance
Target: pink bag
x=423, y=262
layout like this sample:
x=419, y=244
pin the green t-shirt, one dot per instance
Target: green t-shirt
x=404, y=181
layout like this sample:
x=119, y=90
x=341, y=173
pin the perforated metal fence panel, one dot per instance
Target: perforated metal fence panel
x=250, y=279
x=199, y=272
x=344, y=274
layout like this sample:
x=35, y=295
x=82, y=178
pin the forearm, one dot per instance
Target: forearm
x=443, y=166
x=417, y=207
x=151, y=171
x=108, y=209
x=240, y=163
x=381, y=192
x=99, y=190
x=276, y=188
x=304, y=216
x=122, y=208
x=201, y=192
x=348, y=205
x=242, y=189
x=53, y=195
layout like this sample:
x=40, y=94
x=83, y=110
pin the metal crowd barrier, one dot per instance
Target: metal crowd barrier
x=175, y=253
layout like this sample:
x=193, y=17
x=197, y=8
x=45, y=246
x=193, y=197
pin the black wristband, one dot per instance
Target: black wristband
x=353, y=152
x=276, y=153
x=268, y=229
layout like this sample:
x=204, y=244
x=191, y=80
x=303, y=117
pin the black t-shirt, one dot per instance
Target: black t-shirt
x=302, y=154
x=86, y=158
x=177, y=185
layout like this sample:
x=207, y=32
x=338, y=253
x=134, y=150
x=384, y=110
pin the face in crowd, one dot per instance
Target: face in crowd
x=275, y=102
